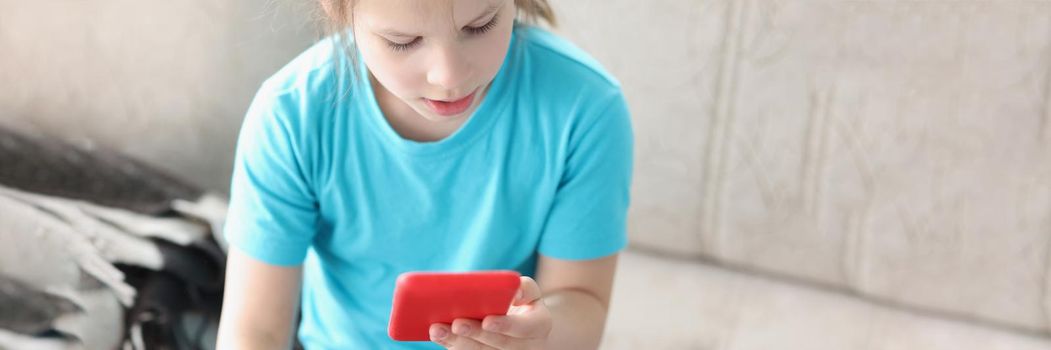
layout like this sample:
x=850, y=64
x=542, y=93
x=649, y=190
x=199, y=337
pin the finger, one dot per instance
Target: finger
x=473, y=329
x=530, y=325
x=442, y=335
x=528, y=291
x=438, y=332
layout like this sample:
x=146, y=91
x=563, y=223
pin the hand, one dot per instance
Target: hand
x=526, y=325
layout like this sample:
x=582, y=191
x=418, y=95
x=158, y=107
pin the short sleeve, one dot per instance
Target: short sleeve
x=273, y=211
x=587, y=219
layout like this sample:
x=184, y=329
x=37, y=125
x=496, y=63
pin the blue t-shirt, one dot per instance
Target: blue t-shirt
x=543, y=166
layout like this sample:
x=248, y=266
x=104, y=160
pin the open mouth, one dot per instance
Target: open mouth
x=450, y=108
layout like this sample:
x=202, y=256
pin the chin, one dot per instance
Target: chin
x=429, y=115
x=442, y=119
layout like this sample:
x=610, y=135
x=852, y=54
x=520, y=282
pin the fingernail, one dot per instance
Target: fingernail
x=518, y=296
x=492, y=326
x=439, y=332
x=461, y=329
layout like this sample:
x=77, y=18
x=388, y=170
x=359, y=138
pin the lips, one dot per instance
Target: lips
x=450, y=108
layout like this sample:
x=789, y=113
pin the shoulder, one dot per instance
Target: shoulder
x=577, y=91
x=554, y=62
x=305, y=90
x=295, y=108
x=312, y=70
x=576, y=88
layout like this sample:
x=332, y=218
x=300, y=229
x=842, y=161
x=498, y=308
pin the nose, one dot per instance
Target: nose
x=448, y=69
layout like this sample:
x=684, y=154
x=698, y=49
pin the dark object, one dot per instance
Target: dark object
x=190, y=279
x=43, y=165
x=160, y=311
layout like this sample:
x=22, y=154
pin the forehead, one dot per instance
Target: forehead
x=421, y=12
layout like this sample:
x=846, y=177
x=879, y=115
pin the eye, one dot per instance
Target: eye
x=484, y=28
x=399, y=47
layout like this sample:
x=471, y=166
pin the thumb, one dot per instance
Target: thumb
x=528, y=292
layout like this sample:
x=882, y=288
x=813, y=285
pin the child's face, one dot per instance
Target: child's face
x=436, y=56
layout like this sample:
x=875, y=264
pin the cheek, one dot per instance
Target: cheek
x=389, y=71
x=491, y=51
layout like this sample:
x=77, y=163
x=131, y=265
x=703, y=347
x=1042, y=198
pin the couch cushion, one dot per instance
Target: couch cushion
x=663, y=303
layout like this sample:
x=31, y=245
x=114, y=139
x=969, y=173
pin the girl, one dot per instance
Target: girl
x=439, y=135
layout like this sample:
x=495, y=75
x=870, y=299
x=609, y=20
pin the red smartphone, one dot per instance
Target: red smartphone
x=424, y=298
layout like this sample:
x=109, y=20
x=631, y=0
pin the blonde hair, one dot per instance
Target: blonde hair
x=336, y=16
x=337, y=13
x=534, y=11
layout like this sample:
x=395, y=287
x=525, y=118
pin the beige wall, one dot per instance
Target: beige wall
x=166, y=81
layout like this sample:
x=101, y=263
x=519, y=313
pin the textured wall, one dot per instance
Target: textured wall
x=165, y=81
x=899, y=149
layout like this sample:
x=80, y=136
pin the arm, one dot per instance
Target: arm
x=577, y=293
x=260, y=302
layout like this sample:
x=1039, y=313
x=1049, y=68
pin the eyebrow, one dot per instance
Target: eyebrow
x=493, y=7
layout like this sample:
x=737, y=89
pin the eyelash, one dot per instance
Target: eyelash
x=484, y=28
x=398, y=47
